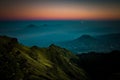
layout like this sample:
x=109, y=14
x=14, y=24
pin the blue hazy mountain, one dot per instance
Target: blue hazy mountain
x=45, y=32
x=88, y=43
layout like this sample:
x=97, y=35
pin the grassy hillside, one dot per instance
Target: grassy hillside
x=19, y=62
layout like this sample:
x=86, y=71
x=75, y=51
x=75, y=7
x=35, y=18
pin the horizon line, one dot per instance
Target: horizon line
x=57, y=19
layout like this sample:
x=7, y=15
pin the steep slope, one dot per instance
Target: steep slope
x=18, y=62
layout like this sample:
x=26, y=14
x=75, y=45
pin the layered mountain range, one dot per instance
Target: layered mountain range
x=88, y=43
x=19, y=62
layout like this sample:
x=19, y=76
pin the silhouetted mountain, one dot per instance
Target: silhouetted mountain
x=18, y=62
x=100, y=66
x=31, y=26
x=87, y=43
x=85, y=37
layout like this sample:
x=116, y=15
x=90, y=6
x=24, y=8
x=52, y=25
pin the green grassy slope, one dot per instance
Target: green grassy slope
x=18, y=62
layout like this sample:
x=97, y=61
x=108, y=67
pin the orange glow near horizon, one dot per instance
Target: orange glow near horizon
x=59, y=12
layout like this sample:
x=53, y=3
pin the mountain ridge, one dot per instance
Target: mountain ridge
x=88, y=43
x=19, y=62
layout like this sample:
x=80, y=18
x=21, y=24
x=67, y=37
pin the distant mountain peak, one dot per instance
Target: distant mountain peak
x=31, y=26
x=86, y=37
x=98, y=43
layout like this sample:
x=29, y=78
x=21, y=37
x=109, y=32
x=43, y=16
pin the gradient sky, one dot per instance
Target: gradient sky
x=59, y=9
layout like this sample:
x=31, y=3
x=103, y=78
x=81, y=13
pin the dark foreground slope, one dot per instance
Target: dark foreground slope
x=18, y=62
x=101, y=66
